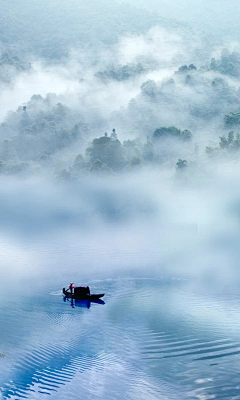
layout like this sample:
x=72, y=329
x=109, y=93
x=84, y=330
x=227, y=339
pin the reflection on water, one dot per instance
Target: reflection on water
x=82, y=303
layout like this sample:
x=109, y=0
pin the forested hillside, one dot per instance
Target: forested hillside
x=145, y=91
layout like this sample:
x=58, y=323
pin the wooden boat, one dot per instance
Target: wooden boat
x=82, y=293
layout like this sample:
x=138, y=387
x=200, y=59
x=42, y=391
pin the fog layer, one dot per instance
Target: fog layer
x=130, y=128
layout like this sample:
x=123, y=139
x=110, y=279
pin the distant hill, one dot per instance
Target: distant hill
x=50, y=29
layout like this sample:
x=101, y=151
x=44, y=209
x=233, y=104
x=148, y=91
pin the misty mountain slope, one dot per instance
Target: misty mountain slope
x=39, y=129
x=220, y=17
x=161, y=124
x=190, y=98
x=155, y=81
x=11, y=65
x=51, y=29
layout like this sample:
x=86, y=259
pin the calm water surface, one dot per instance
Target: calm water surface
x=158, y=336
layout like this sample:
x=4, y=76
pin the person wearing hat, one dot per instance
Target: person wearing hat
x=71, y=287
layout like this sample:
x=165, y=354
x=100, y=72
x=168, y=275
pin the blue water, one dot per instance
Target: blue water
x=169, y=268
x=158, y=335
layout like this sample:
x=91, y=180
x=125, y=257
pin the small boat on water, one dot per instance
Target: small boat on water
x=81, y=293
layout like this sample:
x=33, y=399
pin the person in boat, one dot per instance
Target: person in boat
x=71, y=287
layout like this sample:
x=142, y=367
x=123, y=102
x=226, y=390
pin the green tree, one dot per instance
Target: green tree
x=229, y=144
x=8, y=151
x=232, y=119
x=172, y=131
x=228, y=64
x=131, y=148
x=186, y=135
x=135, y=160
x=149, y=88
x=79, y=162
x=107, y=150
x=181, y=164
x=148, y=153
x=99, y=167
x=185, y=68
x=166, y=132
